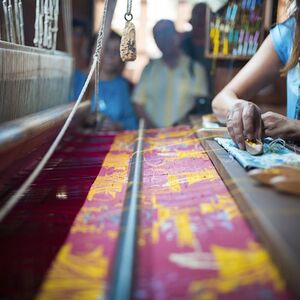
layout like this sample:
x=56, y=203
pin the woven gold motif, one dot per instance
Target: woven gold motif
x=128, y=44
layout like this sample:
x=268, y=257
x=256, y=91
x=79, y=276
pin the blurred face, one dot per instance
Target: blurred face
x=79, y=39
x=167, y=41
x=111, y=59
x=198, y=18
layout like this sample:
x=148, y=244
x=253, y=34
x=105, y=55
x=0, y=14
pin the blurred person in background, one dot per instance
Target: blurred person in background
x=80, y=46
x=168, y=86
x=114, y=90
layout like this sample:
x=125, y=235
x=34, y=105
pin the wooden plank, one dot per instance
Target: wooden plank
x=15, y=132
x=274, y=216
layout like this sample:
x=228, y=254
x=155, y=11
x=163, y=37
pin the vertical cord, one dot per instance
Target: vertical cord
x=21, y=22
x=36, y=24
x=129, y=7
x=7, y=29
x=11, y=22
x=17, y=21
x=55, y=24
x=98, y=56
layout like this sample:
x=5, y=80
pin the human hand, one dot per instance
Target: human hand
x=244, y=121
x=279, y=126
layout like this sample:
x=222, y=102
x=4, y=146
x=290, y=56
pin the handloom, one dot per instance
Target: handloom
x=195, y=236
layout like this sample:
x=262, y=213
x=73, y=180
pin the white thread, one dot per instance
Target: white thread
x=21, y=21
x=12, y=201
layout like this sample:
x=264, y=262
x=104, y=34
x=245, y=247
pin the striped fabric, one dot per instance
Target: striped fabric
x=168, y=94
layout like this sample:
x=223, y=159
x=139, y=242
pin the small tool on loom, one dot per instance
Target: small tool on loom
x=5, y=12
x=254, y=147
x=122, y=277
x=17, y=196
x=128, y=41
x=265, y=176
x=289, y=184
x=210, y=133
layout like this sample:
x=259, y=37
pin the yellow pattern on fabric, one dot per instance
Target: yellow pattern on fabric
x=69, y=275
x=225, y=204
x=191, y=154
x=206, y=174
x=173, y=183
x=163, y=214
x=239, y=268
x=116, y=160
x=110, y=184
x=175, y=134
x=185, y=236
x=86, y=228
x=123, y=141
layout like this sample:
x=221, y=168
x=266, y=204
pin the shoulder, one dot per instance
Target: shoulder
x=282, y=36
x=152, y=64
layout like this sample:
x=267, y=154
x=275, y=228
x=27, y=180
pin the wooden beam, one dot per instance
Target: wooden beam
x=15, y=132
x=274, y=216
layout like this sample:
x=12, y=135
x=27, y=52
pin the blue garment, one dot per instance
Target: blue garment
x=282, y=36
x=78, y=81
x=115, y=102
x=268, y=159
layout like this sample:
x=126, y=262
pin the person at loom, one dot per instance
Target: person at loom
x=114, y=90
x=80, y=44
x=170, y=85
x=278, y=55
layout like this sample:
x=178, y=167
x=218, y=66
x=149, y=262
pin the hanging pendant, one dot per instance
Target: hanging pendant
x=128, y=43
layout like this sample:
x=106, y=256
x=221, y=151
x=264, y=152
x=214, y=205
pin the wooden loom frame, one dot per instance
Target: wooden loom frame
x=274, y=216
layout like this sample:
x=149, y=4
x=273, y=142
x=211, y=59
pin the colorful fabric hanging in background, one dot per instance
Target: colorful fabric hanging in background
x=271, y=158
x=193, y=241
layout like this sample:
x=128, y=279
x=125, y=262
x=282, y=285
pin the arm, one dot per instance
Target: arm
x=279, y=126
x=244, y=118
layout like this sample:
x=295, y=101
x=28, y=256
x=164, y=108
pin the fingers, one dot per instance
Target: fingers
x=235, y=126
x=244, y=121
x=248, y=122
x=276, y=125
x=238, y=128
